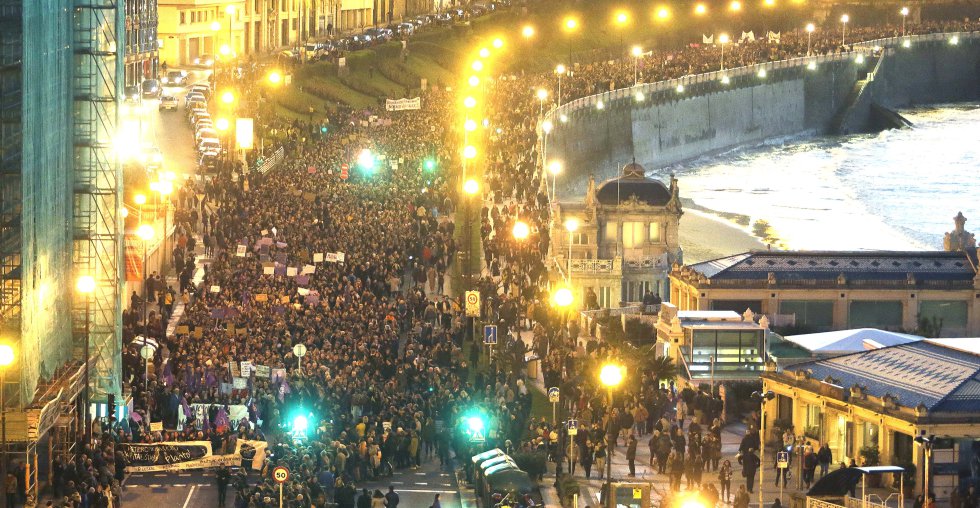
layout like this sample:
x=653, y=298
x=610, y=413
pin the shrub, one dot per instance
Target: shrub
x=294, y=102
x=399, y=73
x=361, y=85
x=323, y=91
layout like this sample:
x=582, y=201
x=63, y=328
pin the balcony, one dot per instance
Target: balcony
x=596, y=266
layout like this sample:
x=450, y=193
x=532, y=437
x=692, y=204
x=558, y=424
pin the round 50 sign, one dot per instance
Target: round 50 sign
x=280, y=474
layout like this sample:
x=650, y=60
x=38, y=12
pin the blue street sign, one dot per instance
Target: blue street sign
x=572, y=424
x=490, y=335
x=782, y=460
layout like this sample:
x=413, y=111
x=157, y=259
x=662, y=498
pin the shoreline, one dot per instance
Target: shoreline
x=704, y=236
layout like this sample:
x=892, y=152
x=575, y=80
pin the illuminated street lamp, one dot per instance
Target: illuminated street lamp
x=843, y=29
x=723, y=39
x=484, y=53
x=145, y=232
x=809, y=37
x=611, y=375
x=215, y=26
x=469, y=125
x=469, y=102
x=542, y=95
x=227, y=97
x=473, y=81
x=274, y=78
x=527, y=32
x=471, y=187
x=735, y=6
x=570, y=24
x=571, y=225
x=637, y=52
x=6, y=360
x=554, y=168
x=700, y=10
x=663, y=13
x=469, y=152
x=905, y=14
x=477, y=65
x=498, y=43
x=521, y=230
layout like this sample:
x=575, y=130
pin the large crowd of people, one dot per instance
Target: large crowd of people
x=359, y=271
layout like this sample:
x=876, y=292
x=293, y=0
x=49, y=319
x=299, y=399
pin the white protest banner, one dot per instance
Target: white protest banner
x=268, y=270
x=303, y=291
x=182, y=456
x=403, y=104
x=156, y=426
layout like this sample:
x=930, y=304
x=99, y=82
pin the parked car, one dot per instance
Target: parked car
x=131, y=94
x=202, y=89
x=193, y=97
x=168, y=103
x=151, y=89
x=204, y=61
x=204, y=133
x=175, y=78
x=209, y=145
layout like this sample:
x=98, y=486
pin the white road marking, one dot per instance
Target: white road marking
x=154, y=486
x=421, y=483
x=421, y=474
x=398, y=483
x=425, y=491
x=189, y=494
x=180, y=485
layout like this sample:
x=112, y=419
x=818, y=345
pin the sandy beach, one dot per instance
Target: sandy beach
x=704, y=236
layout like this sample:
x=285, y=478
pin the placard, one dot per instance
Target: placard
x=182, y=330
x=261, y=297
x=240, y=251
x=341, y=257
x=268, y=270
x=246, y=366
x=308, y=269
x=317, y=257
x=235, y=369
x=215, y=289
x=291, y=271
x=156, y=426
x=331, y=257
x=263, y=371
x=239, y=383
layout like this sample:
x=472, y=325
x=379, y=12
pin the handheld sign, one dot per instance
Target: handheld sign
x=299, y=350
x=280, y=474
x=490, y=335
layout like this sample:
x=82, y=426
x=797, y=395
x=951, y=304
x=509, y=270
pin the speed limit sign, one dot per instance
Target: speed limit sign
x=280, y=474
x=472, y=304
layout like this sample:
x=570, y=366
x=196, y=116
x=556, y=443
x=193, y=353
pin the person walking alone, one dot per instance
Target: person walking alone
x=222, y=477
x=725, y=480
x=750, y=466
x=631, y=455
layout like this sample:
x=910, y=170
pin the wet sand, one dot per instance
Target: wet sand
x=704, y=236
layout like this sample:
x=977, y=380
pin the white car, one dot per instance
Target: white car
x=209, y=145
x=206, y=133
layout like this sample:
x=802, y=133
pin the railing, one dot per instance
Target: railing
x=591, y=265
x=273, y=161
x=645, y=262
x=862, y=48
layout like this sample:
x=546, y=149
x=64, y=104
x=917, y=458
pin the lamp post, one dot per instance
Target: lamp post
x=6, y=359
x=520, y=231
x=562, y=299
x=809, y=37
x=761, y=399
x=140, y=200
x=230, y=11
x=723, y=39
x=542, y=95
x=85, y=286
x=905, y=14
x=560, y=71
x=926, y=443
x=636, y=52
x=215, y=27
x=571, y=225
x=570, y=25
x=165, y=188
x=610, y=376
x=554, y=168
x=146, y=233
x=470, y=189
x=843, y=29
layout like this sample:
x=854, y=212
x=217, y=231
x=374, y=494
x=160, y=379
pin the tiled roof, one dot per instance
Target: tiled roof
x=941, y=378
x=853, y=264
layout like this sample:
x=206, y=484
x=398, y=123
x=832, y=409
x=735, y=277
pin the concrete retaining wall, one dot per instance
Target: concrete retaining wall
x=792, y=98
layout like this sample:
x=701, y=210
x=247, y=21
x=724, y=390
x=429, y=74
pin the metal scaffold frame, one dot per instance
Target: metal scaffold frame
x=11, y=51
x=99, y=76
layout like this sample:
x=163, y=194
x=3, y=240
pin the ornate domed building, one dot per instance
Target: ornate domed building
x=625, y=241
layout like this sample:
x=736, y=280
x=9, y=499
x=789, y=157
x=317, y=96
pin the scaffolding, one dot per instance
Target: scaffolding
x=99, y=40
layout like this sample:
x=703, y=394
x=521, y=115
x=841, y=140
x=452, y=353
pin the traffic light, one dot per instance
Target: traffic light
x=299, y=423
x=323, y=130
x=366, y=161
x=111, y=407
x=430, y=164
x=474, y=425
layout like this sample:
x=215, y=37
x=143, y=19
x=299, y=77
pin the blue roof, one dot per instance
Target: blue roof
x=943, y=379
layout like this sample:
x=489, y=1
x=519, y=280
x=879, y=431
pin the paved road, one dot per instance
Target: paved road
x=196, y=489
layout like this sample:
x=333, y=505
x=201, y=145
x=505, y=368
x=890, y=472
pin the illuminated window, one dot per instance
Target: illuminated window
x=654, y=232
x=633, y=234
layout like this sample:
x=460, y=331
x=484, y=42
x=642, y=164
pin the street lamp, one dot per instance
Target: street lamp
x=926, y=443
x=274, y=78
x=663, y=13
x=571, y=225
x=735, y=6
x=761, y=399
x=6, y=360
x=85, y=286
x=471, y=188
x=542, y=95
x=809, y=37
x=521, y=230
x=637, y=52
x=700, y=10
x=484, y=53
x=723, y=39
x=843, y=29
x=165, y=188
x=227, y=97
x=145, y=232
x=477, y=65
x=905, y=14
x=611, y=375
x=560, y=71
x=554, y=168
x=527, y=32
x=498, y=43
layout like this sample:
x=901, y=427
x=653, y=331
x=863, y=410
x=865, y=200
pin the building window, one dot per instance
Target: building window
x=605, y=297
x=885, y=314
x=813, y=421
x=654, y=232
x=611, y=232
x=181, y=18
x=633, y=235
x=579, y=238
x=809, y=315
x=949, y=314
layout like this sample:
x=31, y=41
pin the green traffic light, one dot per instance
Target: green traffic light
x=366, y=161
x=475, y=423
x=300, y=424
x=430, y=165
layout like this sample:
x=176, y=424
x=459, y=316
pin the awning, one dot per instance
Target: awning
x=841, y=481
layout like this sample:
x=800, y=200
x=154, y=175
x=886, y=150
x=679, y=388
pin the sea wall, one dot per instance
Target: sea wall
x=660, y=124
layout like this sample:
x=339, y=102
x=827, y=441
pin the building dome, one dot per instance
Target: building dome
x=632, y=184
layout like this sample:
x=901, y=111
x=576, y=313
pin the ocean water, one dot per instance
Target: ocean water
x=895, y=190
